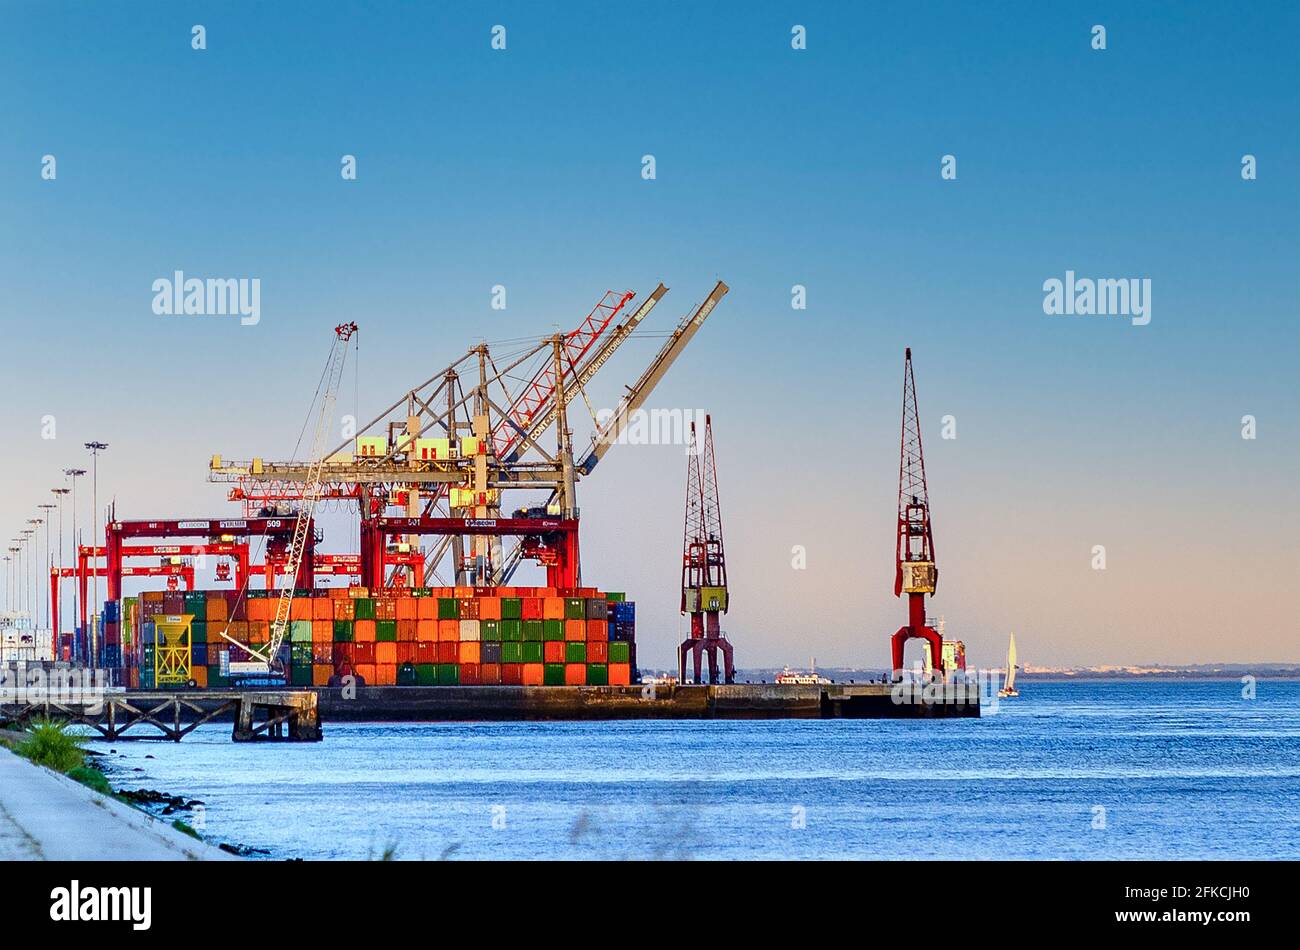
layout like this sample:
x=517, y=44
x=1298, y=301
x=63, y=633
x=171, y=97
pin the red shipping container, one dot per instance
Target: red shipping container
x=512, y=674
x=597, y=630
x=597, y=651
x=406, y=652
x=448, y=652
x=426, y=652
x=342, y=651
x=620, y=674
x=532, y=608
x=406, y=630
x=534, y=674
x=575, y=630
x=363, y=654
x=469, y=674
x=468, y=608
x=575, y=674
x=553, y=651
x=489, y=674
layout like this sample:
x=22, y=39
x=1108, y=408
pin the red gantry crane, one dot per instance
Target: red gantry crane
x=704, y=563
x=916, y=575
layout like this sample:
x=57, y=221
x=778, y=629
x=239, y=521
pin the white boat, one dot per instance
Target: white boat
x=1009, y=687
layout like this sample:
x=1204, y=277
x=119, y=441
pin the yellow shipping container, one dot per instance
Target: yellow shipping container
x=432, y=450
x=371, y=446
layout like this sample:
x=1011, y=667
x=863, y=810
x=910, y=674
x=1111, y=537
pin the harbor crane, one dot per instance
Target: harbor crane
x=440, y=459
x=916, y=574
x=266, y=662
x=704, y=564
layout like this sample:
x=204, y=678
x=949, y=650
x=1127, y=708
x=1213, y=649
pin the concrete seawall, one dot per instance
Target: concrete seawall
x=45, y=816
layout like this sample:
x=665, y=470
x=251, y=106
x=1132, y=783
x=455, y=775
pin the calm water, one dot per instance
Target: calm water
x=1182, y=770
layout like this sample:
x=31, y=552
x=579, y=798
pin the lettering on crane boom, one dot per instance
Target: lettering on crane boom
x=480, y=523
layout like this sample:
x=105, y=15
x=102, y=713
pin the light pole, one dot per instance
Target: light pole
x=74, y=474
x=27, y=572
x=9, y=579
x=95, y=448
x=33, y=572
x=49, y=559
x=59, y=493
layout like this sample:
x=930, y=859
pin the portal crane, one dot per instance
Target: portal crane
x=916, y=574
x=704, y=563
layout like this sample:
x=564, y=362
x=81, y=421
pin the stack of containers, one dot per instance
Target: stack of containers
x=439, y=636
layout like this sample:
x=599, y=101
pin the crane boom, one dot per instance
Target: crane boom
x=608, y=433
x=596, y=361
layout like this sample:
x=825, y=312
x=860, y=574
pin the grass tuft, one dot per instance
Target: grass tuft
x=48, y=743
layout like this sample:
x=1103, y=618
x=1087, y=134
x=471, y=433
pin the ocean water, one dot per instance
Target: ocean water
x=1070, y=770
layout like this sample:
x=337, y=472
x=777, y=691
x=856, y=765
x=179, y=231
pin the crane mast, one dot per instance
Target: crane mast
x=916, y=573
x=704, y=564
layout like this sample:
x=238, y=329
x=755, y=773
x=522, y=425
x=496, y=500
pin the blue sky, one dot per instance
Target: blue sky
x=775, y=167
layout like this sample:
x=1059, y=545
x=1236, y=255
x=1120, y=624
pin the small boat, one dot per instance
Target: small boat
x=789, y=677
x=1009, y=687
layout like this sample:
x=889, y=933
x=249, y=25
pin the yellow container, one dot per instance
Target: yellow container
x=371, y=446
x=432, y=450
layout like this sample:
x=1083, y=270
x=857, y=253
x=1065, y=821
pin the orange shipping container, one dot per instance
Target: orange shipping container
x=575, y=629
x=597, y=630
x=448, y=631
x=322, y=608
x=406, y=630
x=470, y=652
x=426, y=608
x=200, y=675
x=408, y=608
x=344, y=609
x=575, y=674
x=367, y=673
x=321, y=673
x=489, y=674
x=259, y=608
x=553, y=608
x=489, y=608
x=363, y=631
x=426, y=631
x=385, y=674
x=322, y=631
x=300, y=609
x=512, y=674
x=620, y=674
x=385, y=653
x=534, y=674
x=217, y=609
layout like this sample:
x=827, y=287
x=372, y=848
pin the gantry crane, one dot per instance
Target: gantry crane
x=704, y=563
x=916, y=574
x=266, y=661
x=444, y=453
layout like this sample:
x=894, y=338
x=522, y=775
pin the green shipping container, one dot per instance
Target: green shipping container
x=597, y=674
x=406, y=675
x=552, y=629
x=385, y=631
x=532, y=651
x=615, y=597
x=196, y=603
x=426, y=674
x=575, y=652
x=215, y=679
x=512, y=608
x=512, y=652
x=620, y=652
x=511, y=630
x=364, y=607
x=532, y=630
x=342, y=631
x=448, y=674
x=448, y=608
x=300, y=676
x=300, y=631
x=575, y=608
x=553, y=674
x=489, y=630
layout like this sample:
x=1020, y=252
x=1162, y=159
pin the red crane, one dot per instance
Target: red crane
x=917, y=574
x=704, y=563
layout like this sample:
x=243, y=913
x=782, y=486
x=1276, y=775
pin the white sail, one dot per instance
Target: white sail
x=1011, y=665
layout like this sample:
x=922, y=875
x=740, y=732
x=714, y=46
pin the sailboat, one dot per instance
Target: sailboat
x=1009, y=687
